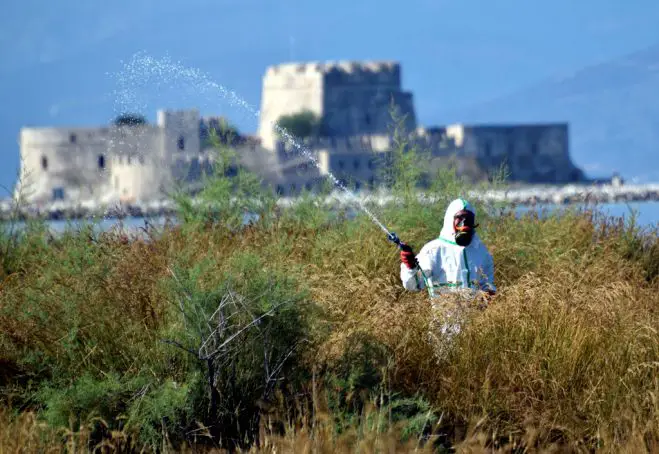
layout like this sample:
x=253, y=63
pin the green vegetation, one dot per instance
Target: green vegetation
x=222, y=132
x=301, y=125
x=293, y=334
x=130, y=119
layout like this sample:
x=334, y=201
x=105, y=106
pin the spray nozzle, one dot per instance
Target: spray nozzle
x=394, y=238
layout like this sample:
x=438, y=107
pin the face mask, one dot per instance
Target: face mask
x=464, y=227
x=464, y=238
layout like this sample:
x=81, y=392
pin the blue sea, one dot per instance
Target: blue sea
x=647, y=216
x=646, y=213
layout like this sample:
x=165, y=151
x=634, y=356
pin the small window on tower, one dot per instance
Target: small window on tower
x=101, y=162
x=58, y=194
x=73, y=138
x=44, y=163
x=180, y=143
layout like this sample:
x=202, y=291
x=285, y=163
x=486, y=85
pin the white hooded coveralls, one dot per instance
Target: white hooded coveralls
x=448, y=267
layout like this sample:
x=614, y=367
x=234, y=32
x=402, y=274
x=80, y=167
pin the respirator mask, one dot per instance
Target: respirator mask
x=464, y=225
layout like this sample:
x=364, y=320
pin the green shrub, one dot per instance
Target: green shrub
x=246, y=332
x=299, y=125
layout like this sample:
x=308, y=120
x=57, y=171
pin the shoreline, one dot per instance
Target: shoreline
x=520, y=196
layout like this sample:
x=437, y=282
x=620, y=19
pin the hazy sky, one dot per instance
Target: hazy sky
x=61, y=62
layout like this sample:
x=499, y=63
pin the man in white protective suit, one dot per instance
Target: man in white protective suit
x=456, y=263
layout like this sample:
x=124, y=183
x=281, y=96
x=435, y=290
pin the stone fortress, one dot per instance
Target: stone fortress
x=353, y=101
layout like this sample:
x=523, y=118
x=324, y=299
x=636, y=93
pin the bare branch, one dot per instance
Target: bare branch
x=182, y=347
x=249, y=325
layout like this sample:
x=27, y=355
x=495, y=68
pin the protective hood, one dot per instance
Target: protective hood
x=454, y=207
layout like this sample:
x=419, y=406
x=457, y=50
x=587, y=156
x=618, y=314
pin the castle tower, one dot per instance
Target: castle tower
x=351, y=98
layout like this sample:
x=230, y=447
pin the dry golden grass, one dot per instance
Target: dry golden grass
x=565, y=359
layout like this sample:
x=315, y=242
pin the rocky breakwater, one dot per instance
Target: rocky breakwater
x=62, y=210
x=520, y=196
x=574, y=194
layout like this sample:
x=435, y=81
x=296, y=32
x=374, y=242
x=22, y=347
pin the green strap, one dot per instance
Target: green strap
x=448, y=284
x=464, y=254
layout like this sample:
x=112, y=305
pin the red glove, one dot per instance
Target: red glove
x=407, y=256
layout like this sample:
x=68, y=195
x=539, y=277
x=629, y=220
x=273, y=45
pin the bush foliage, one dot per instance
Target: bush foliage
x=293, y=333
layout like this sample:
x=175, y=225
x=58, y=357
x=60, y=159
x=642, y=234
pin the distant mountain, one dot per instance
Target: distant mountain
x=612, y=108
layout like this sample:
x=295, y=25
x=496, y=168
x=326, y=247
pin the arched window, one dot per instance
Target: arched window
x=101, y=162
x=44, y=163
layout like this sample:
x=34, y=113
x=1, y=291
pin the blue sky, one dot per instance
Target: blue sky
x=61, y=62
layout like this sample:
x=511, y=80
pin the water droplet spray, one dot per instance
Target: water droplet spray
x=143, y=69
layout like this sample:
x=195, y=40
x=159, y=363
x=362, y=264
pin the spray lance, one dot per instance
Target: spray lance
x=394, y=239
x=402, y=246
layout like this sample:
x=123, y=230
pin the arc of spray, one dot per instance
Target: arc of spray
x=160, y=67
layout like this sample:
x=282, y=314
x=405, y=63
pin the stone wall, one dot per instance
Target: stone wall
x=351, y=98
x=181, y=132
x=534, y=153
x=358, y=98
x=115, y=161
x=288, y=89
x=57, y=163
x=140, y=178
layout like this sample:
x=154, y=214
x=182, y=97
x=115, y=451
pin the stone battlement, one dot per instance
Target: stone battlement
x=31, y=137
x=347, y=67
x=339, y=73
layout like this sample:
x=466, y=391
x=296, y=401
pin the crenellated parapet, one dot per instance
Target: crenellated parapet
x=373, y=73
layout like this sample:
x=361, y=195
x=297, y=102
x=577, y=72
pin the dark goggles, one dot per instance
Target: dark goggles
x=464, y=220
